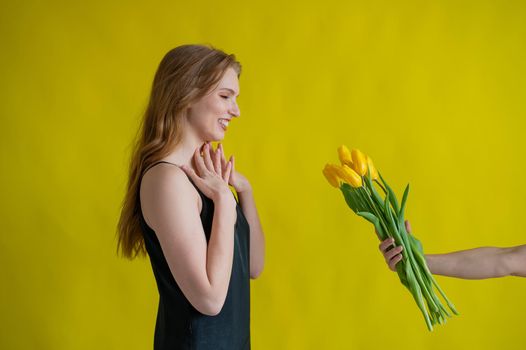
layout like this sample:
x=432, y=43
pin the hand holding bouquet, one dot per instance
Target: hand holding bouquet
x=356, y=178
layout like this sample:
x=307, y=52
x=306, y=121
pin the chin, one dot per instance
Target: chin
x=216, y=137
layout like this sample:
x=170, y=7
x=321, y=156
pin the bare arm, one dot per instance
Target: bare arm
x=257, y=239
x=475, y=263
x=170, y=206
x=248, y=205
x=479, y=263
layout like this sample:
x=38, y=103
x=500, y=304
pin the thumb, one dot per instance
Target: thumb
x=408, y=226
x=231, y=176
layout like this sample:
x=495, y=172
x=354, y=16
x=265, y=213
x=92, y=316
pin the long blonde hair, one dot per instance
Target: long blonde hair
x=185, y=74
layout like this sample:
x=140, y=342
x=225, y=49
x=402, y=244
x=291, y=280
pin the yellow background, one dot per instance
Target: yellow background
x=432, y=91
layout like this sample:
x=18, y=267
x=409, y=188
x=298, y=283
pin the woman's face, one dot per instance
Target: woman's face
x=209, y=117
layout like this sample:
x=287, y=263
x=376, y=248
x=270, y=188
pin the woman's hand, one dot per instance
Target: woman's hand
x=238, y=181
x=212, y=175
x=393, y=254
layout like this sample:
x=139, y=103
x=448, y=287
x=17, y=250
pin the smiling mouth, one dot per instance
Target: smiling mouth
x=224, y=123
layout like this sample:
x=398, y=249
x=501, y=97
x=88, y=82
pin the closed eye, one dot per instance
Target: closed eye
x=224, y=96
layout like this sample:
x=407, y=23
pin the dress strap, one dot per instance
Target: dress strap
x=161, y=161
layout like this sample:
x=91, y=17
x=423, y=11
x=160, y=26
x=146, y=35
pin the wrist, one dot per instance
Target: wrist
x=225, y=208
x=224, y=199
x=245, y=188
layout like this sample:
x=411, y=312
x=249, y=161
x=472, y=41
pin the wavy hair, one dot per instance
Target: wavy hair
x=185, y=75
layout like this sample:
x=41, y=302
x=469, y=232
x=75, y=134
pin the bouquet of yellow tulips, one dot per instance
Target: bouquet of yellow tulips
x=355, y=177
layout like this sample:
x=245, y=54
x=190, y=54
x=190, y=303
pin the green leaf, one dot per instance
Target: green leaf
x=349, y=198
x=404, y=201
x=414, y=241
x=375, y=195
x=374, y=220
x=392, y=195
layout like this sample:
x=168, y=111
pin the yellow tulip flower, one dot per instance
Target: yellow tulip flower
x=332, y=175
x=359, y=162
x=372, y=169
x=345, y=155
x=350, y=176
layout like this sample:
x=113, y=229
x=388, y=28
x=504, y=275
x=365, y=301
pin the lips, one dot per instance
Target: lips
x=224, y=123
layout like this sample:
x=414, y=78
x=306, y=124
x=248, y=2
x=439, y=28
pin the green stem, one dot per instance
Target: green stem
x=414, y=265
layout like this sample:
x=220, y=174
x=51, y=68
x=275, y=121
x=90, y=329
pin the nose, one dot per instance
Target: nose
x=234, y=110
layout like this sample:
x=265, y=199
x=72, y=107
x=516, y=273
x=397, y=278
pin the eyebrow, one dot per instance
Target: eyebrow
x=232, y=91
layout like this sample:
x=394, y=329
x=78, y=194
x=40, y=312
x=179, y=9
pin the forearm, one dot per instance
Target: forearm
x=221, y=250
x=257, y=239
x=517, y=260
x=479, y=263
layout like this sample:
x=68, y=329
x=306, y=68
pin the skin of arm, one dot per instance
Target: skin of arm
x=480, y=263
x=475, y=263
x=257, y=239
x=248, y=205
x=170, y=205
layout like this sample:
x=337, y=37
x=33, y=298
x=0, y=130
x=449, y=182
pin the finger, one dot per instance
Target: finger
x=208, y=160
x=408, y=227
x=199, y=163
x=217, y=161
x=224, y=164
x=233, y=160
x=213, y=153
x=212, y=156
x=223, y=160
x=386, y=243
x=227, y=171
x=394, y=261
x=393, y=252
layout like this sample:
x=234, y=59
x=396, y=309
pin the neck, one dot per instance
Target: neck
x=184, y=152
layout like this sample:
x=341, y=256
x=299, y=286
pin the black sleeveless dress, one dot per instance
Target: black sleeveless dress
x=179, y=325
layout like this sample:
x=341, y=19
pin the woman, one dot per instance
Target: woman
x=204, y=245
x=475, y=263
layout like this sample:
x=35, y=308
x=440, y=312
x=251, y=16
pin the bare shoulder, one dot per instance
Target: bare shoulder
x=164, y=174
x=165, y=188
x=169, y=202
